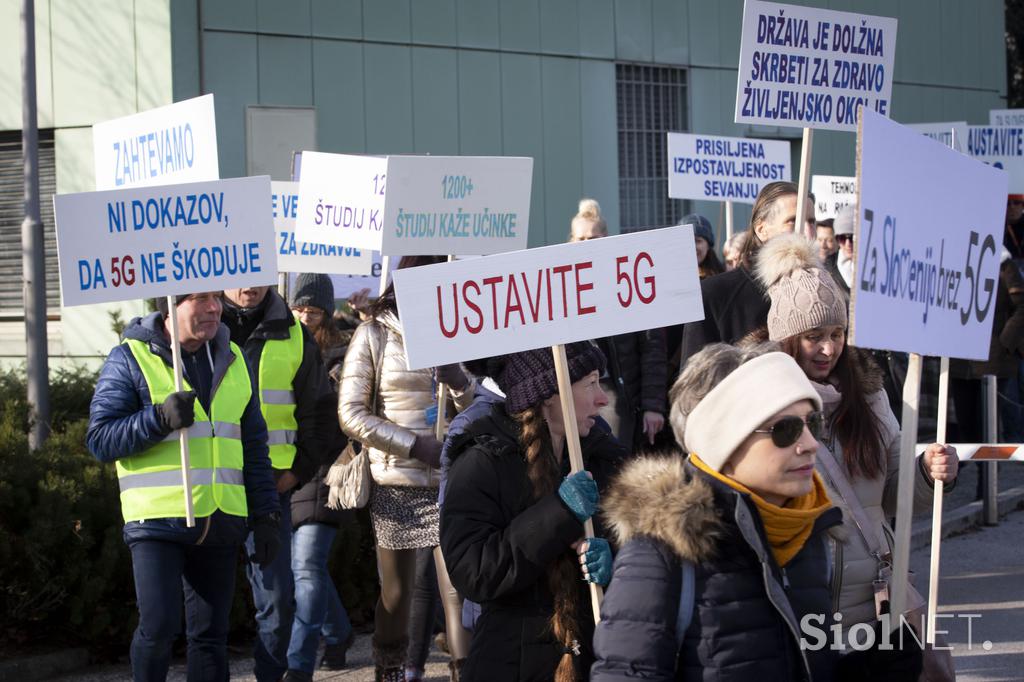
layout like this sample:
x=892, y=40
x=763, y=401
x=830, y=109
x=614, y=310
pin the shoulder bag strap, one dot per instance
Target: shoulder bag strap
x=841, y=485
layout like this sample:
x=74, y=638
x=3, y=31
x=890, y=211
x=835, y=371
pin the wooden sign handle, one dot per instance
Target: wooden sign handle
x=805, y=181
x=572, y=444
x=186, y=478
x=933, y=572
x=905, y=491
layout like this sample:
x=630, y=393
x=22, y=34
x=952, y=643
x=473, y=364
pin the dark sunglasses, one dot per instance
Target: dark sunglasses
x=843, y=237
x=788, y=430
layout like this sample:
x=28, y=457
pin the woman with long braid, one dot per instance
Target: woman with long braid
x=512, y=520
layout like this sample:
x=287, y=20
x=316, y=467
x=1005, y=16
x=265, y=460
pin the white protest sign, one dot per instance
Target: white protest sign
x=832, y=193
x=161, y=241
x=1002, y=147
x=552, y=295
x=928, y=243
x=714, y=168
x=1006, y=117
x=172, y=144
x=341, y=200
x=943, y=133
x=456, y=205
x=295, y=255
x=812, y=68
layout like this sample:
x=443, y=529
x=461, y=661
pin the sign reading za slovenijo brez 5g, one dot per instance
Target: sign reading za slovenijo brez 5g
x=928, y=240
x=712, y=168
x=812, y=68
x=166, y=240
x=172, y=144
x=529, y=299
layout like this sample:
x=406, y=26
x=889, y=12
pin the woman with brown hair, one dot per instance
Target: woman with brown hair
x=391, y=410
x=860, y=464
x=512, y=520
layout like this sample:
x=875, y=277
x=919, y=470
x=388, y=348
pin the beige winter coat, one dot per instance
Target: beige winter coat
x=404, y=397
x=852, y=591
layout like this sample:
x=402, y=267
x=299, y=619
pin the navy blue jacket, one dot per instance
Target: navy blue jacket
x=123, y=422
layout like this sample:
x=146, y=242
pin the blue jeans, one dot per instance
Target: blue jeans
x=165, y=572
x=318, y=609
x=273, y=593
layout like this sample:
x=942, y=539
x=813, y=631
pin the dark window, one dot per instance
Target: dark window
x=12, y=212
x=651, y=101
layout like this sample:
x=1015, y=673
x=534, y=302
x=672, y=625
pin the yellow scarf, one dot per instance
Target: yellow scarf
x=787, y=527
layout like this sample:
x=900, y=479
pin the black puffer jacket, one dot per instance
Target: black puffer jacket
x=745, y=624
x=638, y=366
x=309, y=503
x=499, y=544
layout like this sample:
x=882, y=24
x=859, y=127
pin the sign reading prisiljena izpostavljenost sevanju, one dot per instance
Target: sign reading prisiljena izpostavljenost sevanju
x=714, y=168
x=813, y=68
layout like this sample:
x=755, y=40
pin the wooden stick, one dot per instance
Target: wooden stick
x=728, y=221
x=282, y=284
x=442, y=399
x=933, y=572
x=186, y=477
x=805, y=181
x=572, y=443
x=385, y=262
x=905, y=492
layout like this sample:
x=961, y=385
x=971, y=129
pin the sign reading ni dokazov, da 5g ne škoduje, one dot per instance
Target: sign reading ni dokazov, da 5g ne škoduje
x=529, y=299
x=711, y=168
x=341, y=200
x=166, y=240
x=1002, y=147
x=456, y=205
x=812, y=68
x=832, y=193
x=295, y=255
x=172, y=144
x=928, y=244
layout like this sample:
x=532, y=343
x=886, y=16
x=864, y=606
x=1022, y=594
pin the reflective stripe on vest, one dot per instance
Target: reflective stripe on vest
x=151, y=481
x=279, y=363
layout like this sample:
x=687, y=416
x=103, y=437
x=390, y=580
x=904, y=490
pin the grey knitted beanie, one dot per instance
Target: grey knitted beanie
x=528, y=378
x=803, y=294
x=314, y=290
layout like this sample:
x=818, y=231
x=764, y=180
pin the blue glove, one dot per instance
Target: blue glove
x=579, y=492
x=596, y=561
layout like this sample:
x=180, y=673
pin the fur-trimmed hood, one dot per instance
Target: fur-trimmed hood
x=656, y=496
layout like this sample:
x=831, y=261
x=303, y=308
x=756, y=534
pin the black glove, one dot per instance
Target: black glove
x=427, y=449
x=452, y=375
x=178, y=411
x=266, y=538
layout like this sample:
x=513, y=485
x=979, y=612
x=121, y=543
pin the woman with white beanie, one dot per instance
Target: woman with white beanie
x=723, y=555
x=860, y=463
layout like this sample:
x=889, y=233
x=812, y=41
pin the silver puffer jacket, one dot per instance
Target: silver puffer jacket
x=403, y=399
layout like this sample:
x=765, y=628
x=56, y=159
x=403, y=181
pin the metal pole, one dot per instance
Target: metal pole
x=32, y=263
x=990, y=498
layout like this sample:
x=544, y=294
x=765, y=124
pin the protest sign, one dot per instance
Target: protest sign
x=552, y=295
x=711, y=168
x=952, y=134
x=832, y=193
x=172, y=144
x=1006, y=117
x=341, y=200
x=163, y=241
x=456, y=205
x=1002, y=147
x=812, y=68
x=927, y=240
x=295, y=255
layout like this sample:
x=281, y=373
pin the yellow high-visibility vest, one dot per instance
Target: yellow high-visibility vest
x=279, y=363
x=151, y=482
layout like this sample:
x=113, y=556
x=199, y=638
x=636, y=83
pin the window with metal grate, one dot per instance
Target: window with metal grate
x=651, y=101
x=12, y=213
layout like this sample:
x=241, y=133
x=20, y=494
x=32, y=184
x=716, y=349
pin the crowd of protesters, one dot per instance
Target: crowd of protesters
x=740, y=472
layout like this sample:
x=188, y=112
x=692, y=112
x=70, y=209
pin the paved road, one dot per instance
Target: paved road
x=982, y=586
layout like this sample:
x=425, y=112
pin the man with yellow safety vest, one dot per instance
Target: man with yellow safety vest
x=297, y=403
x=134, y=419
